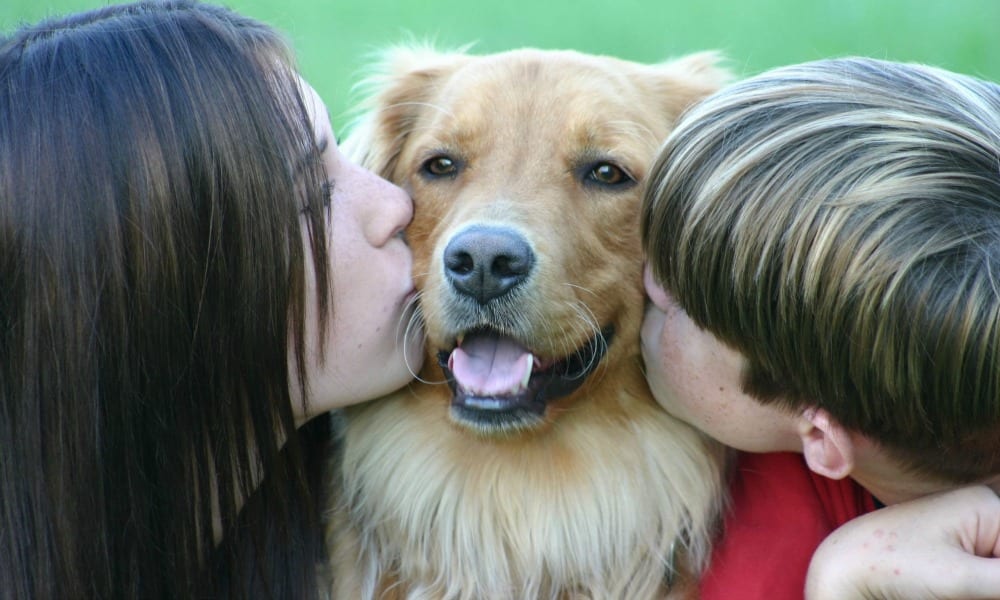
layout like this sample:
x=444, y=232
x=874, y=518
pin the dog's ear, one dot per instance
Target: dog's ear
x=400, y=87
x=681, y=82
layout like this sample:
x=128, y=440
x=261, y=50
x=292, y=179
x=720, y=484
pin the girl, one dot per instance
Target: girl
x=188, y=269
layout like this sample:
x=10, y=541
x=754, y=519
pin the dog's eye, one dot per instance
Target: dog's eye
x=608, y=174
x=440, y=166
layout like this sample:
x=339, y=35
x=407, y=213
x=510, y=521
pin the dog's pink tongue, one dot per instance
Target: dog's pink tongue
x=490, y=366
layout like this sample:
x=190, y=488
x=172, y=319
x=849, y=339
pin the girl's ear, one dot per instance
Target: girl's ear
x=827, y=446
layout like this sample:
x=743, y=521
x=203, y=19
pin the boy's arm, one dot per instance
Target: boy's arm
x=941, y=546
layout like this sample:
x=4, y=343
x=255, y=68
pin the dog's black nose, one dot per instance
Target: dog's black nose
x=487, y=262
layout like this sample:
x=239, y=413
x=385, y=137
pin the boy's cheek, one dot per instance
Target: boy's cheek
x=652, y=326
x=652, y=349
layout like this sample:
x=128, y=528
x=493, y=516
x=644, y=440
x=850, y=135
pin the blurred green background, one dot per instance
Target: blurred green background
x=335, y=38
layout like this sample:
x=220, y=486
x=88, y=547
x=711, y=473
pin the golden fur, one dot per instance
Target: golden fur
x=602, y=494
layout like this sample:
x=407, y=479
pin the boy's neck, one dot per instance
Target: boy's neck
x=880, y=474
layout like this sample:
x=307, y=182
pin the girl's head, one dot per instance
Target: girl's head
x=372, y=345
x=168, y=240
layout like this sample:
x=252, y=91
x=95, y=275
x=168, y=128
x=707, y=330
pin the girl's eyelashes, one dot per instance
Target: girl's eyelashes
x=322, y=145
x=327, y=187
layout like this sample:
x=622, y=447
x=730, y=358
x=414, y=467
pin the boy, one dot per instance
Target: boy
x=824, y=269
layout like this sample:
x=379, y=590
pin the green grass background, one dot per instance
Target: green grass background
x=335, y=38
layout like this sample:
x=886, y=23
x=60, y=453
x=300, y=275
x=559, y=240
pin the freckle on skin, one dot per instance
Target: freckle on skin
x=896, y=572
x=879, y=533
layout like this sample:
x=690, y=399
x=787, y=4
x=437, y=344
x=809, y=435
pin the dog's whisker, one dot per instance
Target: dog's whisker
x=412, y=325
x=580, y=287
x=589, y=320
x=415, y=326
x=431, y=105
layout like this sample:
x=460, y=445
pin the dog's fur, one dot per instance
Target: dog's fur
x=594, y=494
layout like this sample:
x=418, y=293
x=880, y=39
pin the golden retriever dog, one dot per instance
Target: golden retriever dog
x=529, y=460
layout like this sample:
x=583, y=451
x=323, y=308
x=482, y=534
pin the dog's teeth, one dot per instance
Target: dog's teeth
x=527, y=372
x=459, y=339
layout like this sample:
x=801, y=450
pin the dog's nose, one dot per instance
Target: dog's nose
x=487, y=262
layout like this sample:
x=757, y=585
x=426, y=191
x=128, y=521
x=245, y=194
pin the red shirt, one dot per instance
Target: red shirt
x=779, y=513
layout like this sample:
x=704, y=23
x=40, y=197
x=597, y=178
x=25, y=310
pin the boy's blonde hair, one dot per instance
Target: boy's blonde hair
x=838, y=222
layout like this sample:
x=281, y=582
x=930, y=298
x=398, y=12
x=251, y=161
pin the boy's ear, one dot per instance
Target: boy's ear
x=654, y=290
x=826, y=445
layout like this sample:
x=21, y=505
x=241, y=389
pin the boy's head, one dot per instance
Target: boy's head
x=838, y=224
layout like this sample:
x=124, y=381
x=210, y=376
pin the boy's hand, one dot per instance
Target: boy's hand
x=941, y=546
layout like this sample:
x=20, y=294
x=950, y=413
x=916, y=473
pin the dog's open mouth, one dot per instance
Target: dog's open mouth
x=498, y=385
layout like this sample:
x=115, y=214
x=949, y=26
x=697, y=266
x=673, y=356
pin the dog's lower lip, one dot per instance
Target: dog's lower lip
x=490, y=403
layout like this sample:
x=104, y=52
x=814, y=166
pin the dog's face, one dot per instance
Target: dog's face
x=526, y=171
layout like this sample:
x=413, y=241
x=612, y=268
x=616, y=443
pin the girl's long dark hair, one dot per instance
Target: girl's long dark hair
x=156, y=162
